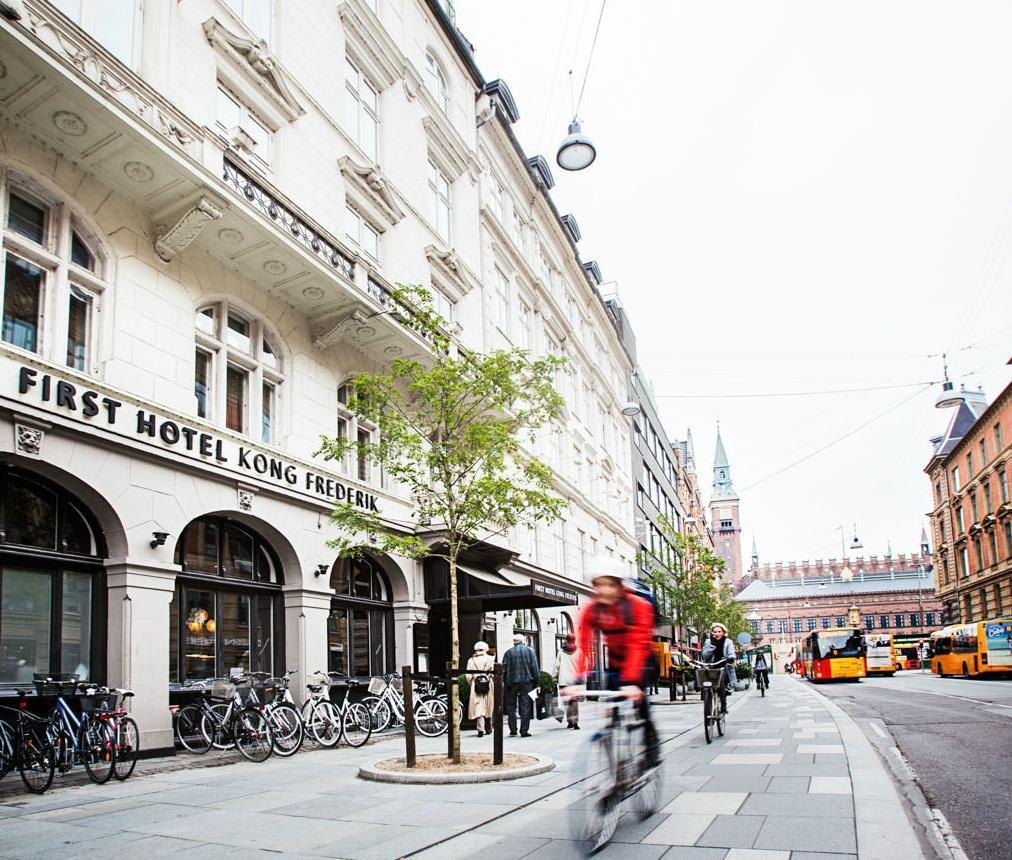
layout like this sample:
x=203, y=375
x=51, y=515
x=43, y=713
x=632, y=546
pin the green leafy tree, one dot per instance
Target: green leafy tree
x=450, y=432
x=731, y=612
x=688, y=583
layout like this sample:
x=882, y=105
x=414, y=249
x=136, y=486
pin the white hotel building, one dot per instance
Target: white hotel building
x=204, y=204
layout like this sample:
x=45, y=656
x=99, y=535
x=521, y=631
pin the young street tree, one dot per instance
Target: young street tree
x=450, y=432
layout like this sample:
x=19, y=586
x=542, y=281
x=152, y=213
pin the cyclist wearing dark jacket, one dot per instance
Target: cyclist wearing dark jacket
x=719, y=647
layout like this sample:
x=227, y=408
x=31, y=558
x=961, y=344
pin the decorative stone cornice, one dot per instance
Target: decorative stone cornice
x=450, y=271
x=371, y=191
x=187, y=227
x=449, y=149
x=254, y=73
x=370, y=45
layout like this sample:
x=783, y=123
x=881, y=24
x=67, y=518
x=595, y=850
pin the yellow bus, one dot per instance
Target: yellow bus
x=879, y=656
x=972, y=650
x=830, y=655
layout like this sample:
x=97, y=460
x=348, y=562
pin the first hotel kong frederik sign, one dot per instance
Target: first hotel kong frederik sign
x=82, y=404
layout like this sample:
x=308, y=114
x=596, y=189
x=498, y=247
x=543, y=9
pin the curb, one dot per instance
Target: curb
x=884, y=831
x=371, y=772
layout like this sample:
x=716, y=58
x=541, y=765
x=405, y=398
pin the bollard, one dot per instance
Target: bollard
x=672, y=687
x=497, y=711
x=409, y=717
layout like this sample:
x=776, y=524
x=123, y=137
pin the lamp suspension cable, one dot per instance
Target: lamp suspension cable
x=590, y=58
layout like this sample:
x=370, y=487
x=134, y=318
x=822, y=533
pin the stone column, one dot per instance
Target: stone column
x=139, y=594
x=406, y=615
x=306, y=612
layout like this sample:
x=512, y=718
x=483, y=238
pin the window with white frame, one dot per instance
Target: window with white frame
x=496, y=199
x=442, y=304
x=435, y=82
x=560, y=546
x=231, y=116
x=255, y=14
x=53, y=277
x=350, y=426
x=238, y=372
x=361, y=232
x=517, y=227
x=523, y=325
x=112, y=23
x=502, y=294
x=439, y=202
x=361, y=110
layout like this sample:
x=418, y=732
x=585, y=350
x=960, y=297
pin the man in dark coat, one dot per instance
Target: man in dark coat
x=520, y=675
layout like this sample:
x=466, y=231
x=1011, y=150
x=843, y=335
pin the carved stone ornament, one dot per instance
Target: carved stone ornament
x=246, y=496
x=261, y=67
x=334, y=331
x=180, y=235
x=28, y=440
x=70, y=123
x=371, y=189
x=449, y=271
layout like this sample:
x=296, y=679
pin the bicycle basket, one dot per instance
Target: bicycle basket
x=246, y=693
x=55, y=683
x=377, y=686
x=222, y=690
x=266, y=692
x=98, y=702
x=711, y=675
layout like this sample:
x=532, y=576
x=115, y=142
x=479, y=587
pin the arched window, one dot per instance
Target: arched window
x=563, y=630
x=227, y=607
x=526, y=623
x=238, y=372
x=52, y=594
x=360, y=626
x=435, y=82
x=53, y=276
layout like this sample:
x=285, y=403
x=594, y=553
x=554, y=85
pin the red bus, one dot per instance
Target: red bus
x=831, y=655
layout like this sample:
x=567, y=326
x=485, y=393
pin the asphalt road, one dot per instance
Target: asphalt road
x=957, y=737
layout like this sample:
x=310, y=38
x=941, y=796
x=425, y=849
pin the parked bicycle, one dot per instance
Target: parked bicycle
x=279, y=707
x=220, y=718
x=386, y=705
x=615, y=769
x=711, y=680
x=25, y=744
x=86, y=740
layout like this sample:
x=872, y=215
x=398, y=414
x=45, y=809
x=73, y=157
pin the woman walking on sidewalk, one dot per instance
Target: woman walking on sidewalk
x=479, y=708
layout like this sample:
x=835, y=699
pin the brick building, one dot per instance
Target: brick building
x=724, y=516
x=896, y=596
x=972, y=517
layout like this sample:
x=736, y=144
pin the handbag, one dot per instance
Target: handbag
x=482, y=685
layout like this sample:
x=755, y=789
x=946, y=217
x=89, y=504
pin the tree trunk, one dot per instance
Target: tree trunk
x=454, y=727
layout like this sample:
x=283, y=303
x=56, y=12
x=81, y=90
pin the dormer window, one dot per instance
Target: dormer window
x=435, y=83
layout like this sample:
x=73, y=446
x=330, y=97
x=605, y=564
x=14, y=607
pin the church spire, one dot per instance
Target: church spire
x=723, y=489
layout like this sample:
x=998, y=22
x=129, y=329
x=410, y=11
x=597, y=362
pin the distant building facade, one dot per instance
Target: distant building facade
x=724, y=516
x=972, y=518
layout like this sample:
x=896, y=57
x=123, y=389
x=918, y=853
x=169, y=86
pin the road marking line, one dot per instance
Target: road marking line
x=878, y=731
x=954, y=696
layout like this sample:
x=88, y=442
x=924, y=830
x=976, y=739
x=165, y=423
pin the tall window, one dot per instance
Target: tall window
x=232, y=115
x=869, y=622
x=998, y=443
x=439, y=202
x=496, y=195
x=1003, y=486
x=435, y=83
x=442, y=304
x=959, y=518
x=527, y=625
x=350, y=426
x=238, y=375
x=255, y=14
x=362, y=110
x=226, y=612
x=978, y=550
x=502, y=307
x=965, y=559
x=52, y=596
x=987, y=498
x=52, y=279
x=361, y=232
x=563, y=630
x=111, y=22
x=992, y=539
x=973, y=507
x=361, y=622
x=524, y=325
x=955, y=479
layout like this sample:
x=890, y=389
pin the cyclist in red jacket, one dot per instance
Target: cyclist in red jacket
x=626, y=623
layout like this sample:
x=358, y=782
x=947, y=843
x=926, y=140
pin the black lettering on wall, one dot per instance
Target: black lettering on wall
x=46, y=382
x=259, y=463
x=219, y=452
x=205, y=444
x=169, y=431
x=188, y=434
x=276, y=467
x=110, y=408
x=145, y=423
x=243, y=458
x=26, y=379
x=291, y=475
x=89, y=406
x=65, y=393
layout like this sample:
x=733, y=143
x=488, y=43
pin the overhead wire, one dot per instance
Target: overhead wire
x=590, y=59
x=922, y=384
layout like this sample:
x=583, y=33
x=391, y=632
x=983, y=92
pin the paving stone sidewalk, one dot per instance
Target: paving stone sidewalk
x=780, y=784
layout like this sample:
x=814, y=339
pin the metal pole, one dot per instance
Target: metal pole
x=497, y=708
x=409, y=717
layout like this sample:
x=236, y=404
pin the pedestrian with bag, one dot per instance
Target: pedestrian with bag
x=479, y=707
x=521, y=674
x=566, y=676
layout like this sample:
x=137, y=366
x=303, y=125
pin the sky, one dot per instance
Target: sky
x=790, y=197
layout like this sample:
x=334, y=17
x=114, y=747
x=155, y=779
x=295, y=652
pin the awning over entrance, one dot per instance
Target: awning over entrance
x=506, y=595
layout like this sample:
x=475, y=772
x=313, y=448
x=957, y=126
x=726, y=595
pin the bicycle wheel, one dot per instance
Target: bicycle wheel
x=253, y=736
x=356, y=725
x=128, y=745
x=36, y=758
x=721, y=712
x=325, y=723
x=214, y=726
x=96, y=745
x=647, y=799
x=430, y=717
x=286, y=724
x=188, y=729
x=762, y=687
x=593, y=818
x=707, y=698
x=7, y=757
x=382, y=713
